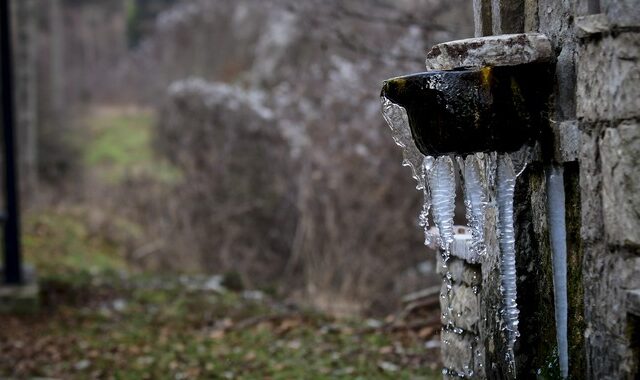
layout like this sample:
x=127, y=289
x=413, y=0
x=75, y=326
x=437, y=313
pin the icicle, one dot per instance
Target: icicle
x=558, y=237
x=506, y=180
x=442, y=183
x=396, y=117
x=475, y=199
x=423, y=219
x=490, y=169
x=520, y=159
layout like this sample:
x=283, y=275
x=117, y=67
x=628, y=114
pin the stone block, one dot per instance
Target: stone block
x=465, y=305
x=482, y=17
x=461, y=355
x=566, y=140
x=606, y=306
x=530, y=16
x=21, y=299
x=507, y=16
x=592, y=25
x=502, y=50
x=620, y=155
x=622, y=13
x=591, y=186
x=608, y=72
x=565, y=99
x=555, y=20
x=461, y=272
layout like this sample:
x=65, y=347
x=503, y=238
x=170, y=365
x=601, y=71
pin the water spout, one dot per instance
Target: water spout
x=484, y=121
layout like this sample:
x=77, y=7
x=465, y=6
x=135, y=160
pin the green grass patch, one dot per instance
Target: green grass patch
x=60, y=244
x=120, y=146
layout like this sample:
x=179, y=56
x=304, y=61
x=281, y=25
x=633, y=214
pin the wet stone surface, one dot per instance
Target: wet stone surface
x=473, y=110
x=461, y=355
x=461, y=272
x=465, y=304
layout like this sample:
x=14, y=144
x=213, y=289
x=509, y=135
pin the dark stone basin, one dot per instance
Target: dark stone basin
x=474, y=110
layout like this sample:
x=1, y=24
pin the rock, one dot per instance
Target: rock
x=621, y=183
x=466, y=307
x=591, y=185
x=608, y=85
x=461, y=271
x=590, y=25
x=566, y=140
x=622, y=12
x=501, y=50
x=460, y=355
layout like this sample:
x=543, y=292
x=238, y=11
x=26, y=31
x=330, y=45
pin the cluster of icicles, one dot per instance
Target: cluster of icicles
x=488, y=178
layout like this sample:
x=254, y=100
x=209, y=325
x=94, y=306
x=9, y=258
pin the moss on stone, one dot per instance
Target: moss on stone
x=575, y=287
x=537, y=344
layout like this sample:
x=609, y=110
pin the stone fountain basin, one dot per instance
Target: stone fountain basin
x=470, y=110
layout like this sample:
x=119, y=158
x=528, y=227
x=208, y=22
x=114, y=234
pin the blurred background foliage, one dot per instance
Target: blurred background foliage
x=231, y=137
x=239, y=142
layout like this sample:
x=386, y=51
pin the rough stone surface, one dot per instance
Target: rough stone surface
x=619, y=150
x=530, y=16
x=533, y=264
x=461, y=272
x=606, y=334
x=465, y=302
x=461, y=354
x=622, y=12
x=507, y=16
x=482, y=17
x=591, y=185
x=503, y=50
x=492, y=333
x=591, y=25
x=608, y=85
x=555, y=20
x=565, y=96
x=566, y=141
x=633, y=301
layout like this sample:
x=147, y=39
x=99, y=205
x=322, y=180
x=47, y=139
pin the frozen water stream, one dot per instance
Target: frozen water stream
x=488, y=178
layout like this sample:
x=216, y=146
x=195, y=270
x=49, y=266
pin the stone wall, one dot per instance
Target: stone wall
x=608, y=113
x=594, y=133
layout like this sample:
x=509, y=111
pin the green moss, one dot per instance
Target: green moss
x=537, y=343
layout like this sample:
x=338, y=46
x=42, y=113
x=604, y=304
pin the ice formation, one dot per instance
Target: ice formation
x=506, y=181
x=423, y=219
x=396, y=117
x=488, y=178
x=558, y=237
x=475, y=198
x=440, y=179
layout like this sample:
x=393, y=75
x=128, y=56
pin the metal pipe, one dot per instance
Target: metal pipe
x=12, y=259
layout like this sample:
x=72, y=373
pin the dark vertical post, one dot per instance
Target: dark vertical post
x=12, y=261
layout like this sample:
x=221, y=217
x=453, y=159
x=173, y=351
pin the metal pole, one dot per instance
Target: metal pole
x=12, y=260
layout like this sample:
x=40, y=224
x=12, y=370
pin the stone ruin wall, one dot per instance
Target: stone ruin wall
x=595, y=134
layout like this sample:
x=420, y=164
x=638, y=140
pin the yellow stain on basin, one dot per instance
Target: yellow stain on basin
x=485, y=76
